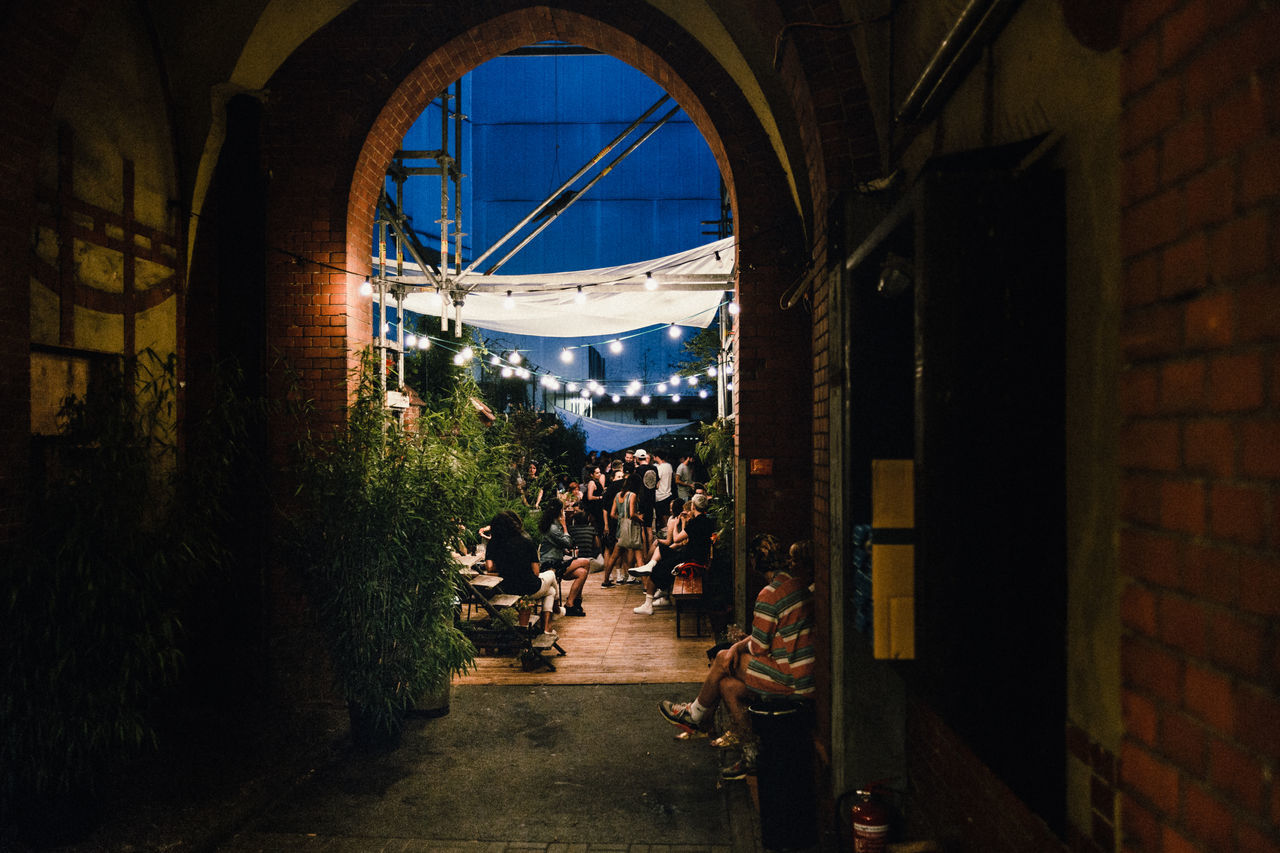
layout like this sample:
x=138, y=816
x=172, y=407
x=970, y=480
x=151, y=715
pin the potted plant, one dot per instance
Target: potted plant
x=374, y=527
x=92, y=590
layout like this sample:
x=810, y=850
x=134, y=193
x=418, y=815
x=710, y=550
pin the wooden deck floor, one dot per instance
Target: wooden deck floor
x=610, y=645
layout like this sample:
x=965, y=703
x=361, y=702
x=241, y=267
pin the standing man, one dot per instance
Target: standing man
x=663, y=494
x=684, y=477
x=647, y=496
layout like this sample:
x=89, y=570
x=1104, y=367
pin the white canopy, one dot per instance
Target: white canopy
x=688, y=288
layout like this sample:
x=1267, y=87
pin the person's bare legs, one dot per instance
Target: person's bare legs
x=578, y=570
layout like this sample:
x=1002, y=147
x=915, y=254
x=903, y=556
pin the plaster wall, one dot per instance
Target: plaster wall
x=109, y=152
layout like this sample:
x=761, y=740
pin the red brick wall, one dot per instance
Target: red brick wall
x=1200, y=450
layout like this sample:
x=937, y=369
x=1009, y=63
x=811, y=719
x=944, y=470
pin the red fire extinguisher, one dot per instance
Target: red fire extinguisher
x=870, y=823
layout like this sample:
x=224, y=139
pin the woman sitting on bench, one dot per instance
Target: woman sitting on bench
x=512, y=554
x=557, y=552
x=692, y=544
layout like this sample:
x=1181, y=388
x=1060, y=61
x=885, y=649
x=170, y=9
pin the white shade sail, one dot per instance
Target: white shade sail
x=687, y=287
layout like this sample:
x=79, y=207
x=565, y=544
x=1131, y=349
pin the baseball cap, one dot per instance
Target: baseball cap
x=642, y=454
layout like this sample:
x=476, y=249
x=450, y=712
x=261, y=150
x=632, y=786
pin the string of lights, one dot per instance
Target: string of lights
x=512, y=366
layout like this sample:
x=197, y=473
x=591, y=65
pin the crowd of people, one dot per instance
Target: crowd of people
x=633, y=519
x=638, y=519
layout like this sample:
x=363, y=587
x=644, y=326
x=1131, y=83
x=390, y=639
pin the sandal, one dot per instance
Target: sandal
x=728, y=740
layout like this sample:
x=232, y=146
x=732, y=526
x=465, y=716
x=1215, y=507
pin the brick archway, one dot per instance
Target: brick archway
x=470, y=49
x=343, y=101
x=338, y=109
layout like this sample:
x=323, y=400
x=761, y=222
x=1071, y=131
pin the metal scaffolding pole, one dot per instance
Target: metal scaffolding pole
x=573, y=198
x=557, y=192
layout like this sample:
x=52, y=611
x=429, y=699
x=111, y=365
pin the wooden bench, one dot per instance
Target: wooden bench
x=484, y=591
x=687, y=592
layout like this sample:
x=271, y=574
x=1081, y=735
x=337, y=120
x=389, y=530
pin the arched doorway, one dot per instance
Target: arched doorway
x=337, y=112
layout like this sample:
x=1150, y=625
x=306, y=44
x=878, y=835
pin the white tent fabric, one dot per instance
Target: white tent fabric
x=610, y=436
x=690, y=286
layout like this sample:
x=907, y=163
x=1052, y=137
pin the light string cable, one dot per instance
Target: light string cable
x=511, y=368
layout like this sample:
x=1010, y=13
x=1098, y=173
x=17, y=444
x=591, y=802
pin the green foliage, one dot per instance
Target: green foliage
x=476, y=457
x=379, y=511
x=702, y=349
x=93, y=589
x=432, y=373
x=543, y=438
x=716, y=451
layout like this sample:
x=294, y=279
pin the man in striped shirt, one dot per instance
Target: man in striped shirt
x=776, y=658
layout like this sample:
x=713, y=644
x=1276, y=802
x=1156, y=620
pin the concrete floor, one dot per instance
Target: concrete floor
x=531, y=768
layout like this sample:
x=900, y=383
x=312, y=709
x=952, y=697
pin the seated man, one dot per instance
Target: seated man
x=692, y=544
x=776, y=658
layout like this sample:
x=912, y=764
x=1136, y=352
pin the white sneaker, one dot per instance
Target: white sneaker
x=560, y=610
x=645, y=609
x=662, y=602
x=646, y=569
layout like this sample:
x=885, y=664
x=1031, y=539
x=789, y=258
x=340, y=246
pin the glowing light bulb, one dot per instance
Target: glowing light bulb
x=644, y=401
x=703, y=393
x=585, y=393
x=514, y=357
x=615, y=346
x=662, y=387
x=675, y=379
x=615, y=398
x=673, y=330
x=572, y=387
x=728, y=386
x=728, y=369
x=734, y=308
x=508, y=303
x=692, y=380
x=494, y=360
x=366, y=289
x=580, y=297
x=507, y=372
x=675, y=398
x=467, y=353
x=410, y=340
x=566, y=355
x=711, y=371
x=458, y=359
x=424, y=342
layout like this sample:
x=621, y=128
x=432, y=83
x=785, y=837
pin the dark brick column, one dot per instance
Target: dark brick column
x=1200, y=453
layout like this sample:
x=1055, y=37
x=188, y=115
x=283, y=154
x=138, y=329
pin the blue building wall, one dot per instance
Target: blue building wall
x=532, y=122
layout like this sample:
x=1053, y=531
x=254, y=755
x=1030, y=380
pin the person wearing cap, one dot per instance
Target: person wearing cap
x=646, y=496
x=691, y=545
x=666, y=485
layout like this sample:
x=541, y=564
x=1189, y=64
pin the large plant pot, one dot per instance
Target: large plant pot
x=371, y=735
x=433, y=704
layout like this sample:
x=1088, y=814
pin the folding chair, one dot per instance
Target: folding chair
x=511, y=637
